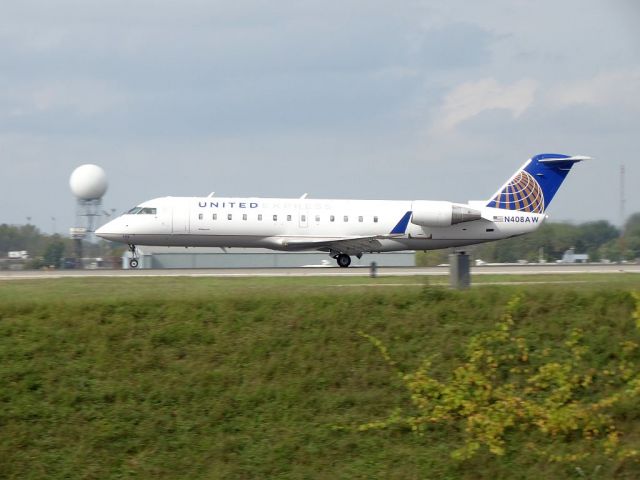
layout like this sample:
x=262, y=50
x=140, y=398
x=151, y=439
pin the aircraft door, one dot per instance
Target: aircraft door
x=180, y=219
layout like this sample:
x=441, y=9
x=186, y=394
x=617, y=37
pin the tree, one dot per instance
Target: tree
x=431, y=258
x=592, y=235
x=20, y=237
x=54, y=253
x=631, y=237
x=612, y=250
x=554, y=239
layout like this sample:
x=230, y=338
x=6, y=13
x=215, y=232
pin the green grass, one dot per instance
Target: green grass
x=184, y=288
x=244, y=378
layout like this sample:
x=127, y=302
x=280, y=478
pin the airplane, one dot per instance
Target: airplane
x=345, y=228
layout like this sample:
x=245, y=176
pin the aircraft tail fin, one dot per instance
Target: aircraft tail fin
x=534, y=185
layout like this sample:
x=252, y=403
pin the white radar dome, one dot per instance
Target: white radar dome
x=88, y=182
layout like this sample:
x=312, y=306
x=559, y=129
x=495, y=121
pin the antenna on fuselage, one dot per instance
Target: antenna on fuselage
x=211, y=194
x=304, y=195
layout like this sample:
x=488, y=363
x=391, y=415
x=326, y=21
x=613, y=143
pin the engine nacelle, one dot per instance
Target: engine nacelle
x=441, y=214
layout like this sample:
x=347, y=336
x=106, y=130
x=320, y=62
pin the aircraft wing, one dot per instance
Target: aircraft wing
x=348, y=245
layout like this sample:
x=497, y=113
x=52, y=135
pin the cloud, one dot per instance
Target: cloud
x=78, y=97
x=244, y=94
x=472, y=98
x=607, y=89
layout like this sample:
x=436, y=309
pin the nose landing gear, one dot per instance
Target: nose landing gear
x=133, y=262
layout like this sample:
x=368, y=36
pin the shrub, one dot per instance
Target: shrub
x=564, y=405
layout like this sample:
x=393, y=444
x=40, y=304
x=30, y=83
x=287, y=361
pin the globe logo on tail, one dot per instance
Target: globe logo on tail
x=522, y=193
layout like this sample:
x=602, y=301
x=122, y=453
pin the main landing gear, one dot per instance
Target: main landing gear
x=343, y=260
x=133, y=261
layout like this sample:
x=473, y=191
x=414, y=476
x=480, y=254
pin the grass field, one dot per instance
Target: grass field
x=182, y=288
x=248, y=378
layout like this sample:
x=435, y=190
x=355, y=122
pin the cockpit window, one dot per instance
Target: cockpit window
x=142, y=211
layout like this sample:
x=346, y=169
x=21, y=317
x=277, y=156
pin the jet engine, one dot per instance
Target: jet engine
x=441, y=214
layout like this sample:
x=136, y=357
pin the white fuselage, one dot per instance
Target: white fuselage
x=351, y=227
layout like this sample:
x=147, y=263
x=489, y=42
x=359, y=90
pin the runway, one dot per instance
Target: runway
x=503, y=269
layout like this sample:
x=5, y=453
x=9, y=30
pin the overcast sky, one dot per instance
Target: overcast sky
x=346, y=99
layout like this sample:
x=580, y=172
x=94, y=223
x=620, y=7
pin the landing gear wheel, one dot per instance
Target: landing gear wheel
x=133, y=262
x=343, y=260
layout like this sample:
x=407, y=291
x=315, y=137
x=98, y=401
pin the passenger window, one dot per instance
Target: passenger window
x=332, y=218
x=317, y=218
x=259, y=217
x=375, y=219
x=288, y=218
x=229, y=216
x=360, y=219
x=244, y=216
x=275, y=218
x=215, y=216
x=303, y=218
x=346, y=218
x=200, y=217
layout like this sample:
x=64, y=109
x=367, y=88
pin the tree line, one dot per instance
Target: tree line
x=599, y=239
x=44, y=250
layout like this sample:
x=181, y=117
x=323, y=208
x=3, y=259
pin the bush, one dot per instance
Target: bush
x=561, y=399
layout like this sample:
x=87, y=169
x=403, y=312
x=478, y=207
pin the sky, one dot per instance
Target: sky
x=339, y=99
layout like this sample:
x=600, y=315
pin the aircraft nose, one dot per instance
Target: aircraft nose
x=109, y=231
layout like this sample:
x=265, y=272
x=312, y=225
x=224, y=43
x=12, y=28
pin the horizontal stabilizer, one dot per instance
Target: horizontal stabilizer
x=574, y=159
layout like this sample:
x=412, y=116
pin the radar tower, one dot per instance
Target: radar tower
x=88, y=184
